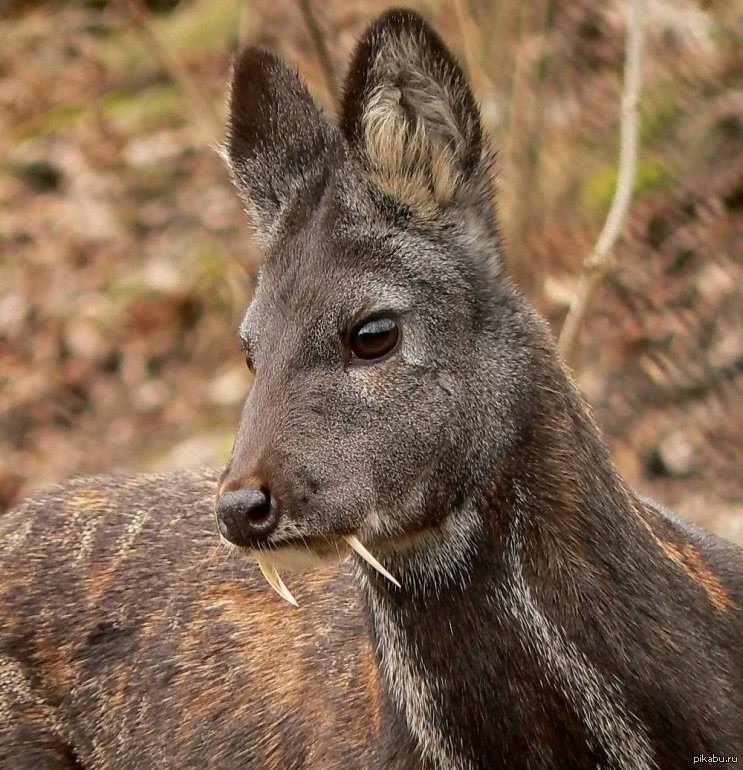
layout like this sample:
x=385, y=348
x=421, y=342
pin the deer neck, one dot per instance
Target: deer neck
x=477, y=650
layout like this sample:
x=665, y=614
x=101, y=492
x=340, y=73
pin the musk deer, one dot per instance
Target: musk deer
x=516, y=606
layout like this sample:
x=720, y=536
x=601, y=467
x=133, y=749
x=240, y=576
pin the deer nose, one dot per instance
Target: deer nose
x=246, y=517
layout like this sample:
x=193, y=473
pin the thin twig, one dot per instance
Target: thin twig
x=318, y=40
x=600, y=261
x=197, y=100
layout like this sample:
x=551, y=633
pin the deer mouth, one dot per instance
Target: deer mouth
x=298, y=552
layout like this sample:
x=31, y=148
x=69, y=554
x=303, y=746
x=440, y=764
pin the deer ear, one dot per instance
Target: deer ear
x=411, y=116
x=278, y=145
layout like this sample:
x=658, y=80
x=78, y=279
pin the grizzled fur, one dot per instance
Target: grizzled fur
x=548, y=616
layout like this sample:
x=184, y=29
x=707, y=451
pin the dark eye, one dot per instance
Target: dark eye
x=245, y=345
x=374, y=339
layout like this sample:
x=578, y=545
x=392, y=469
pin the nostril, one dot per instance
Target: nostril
x=259, y=509
x=246, y=516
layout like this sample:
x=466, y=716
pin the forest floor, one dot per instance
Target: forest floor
x=125, y=259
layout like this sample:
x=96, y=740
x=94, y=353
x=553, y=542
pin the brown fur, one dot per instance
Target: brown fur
x=687, y=558
x=546, y=616
x=225, y=654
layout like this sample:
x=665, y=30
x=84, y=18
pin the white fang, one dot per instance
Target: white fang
x=274, y=579
x=360, y=549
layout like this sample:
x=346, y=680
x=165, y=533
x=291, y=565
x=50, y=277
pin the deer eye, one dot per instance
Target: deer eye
x=245, y=345
x=374, y=339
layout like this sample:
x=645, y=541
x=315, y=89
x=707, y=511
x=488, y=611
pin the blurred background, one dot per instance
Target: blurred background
x=125, y=259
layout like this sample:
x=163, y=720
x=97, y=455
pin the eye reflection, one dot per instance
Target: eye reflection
x=374, y=339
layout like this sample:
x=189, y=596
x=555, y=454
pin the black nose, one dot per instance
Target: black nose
x=246, y=517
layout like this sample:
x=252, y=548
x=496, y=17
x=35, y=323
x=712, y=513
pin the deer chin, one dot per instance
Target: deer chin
x=310, y=554
x=301, y=558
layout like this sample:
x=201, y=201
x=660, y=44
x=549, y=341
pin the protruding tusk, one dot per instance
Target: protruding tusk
x=274, y=579
x=360, y=549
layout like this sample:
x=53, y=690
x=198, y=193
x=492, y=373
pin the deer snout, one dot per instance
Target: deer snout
x=247, y=516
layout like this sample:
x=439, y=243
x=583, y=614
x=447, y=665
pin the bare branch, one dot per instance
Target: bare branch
x=318, y=40
x=600, y=261
x=198, y=101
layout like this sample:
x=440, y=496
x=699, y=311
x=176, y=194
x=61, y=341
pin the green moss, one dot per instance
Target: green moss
x=209, y=259
x=144, y=108
x=597, y=191
x=58, y=117
x=129, y=109
x=226, y=445
x=209, y=263
x=201, y=27
x=121, y=289
x=192, y=30
x=651, y=175
x=658, y=120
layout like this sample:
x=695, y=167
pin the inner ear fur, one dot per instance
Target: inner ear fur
x=411, y=116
